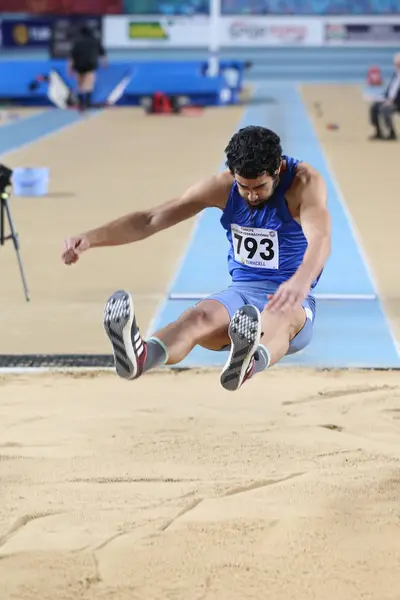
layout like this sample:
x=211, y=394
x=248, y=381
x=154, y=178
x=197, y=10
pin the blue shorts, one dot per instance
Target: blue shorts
x=256, y=293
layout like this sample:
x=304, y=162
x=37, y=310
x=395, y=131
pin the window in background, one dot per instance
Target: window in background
x=310, y=7
x=166, y=7
x=201, y=7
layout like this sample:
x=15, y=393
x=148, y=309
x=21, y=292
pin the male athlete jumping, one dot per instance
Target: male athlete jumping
x=274, y=212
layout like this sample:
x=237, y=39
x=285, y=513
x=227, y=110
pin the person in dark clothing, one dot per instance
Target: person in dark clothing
x=84, y=61
x=385, y=109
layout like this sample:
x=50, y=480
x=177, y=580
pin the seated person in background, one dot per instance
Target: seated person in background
x=386, y=108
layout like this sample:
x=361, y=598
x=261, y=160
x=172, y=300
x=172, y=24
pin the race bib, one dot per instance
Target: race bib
x=257, y=248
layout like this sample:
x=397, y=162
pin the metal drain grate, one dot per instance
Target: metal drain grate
x=35, y=361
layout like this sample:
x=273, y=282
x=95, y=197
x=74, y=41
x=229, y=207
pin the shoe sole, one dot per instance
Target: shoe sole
x=245, y=334
x=119, y=317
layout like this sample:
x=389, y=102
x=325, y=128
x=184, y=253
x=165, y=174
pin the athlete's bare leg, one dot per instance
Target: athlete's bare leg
x=206, y=324
x=279, y=329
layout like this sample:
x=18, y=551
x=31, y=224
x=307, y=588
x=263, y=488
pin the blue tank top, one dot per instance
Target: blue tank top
x=265, y=243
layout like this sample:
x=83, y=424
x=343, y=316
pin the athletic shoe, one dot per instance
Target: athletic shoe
x=245, y=334
x=129, y=349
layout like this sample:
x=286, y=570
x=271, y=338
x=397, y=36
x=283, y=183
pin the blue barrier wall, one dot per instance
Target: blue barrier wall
x=284, y=63
x=184, y=78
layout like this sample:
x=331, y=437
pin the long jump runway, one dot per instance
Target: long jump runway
x=170, y=487
x=349, y=312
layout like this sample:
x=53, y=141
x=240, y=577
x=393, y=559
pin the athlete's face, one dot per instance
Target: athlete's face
x=257, y=191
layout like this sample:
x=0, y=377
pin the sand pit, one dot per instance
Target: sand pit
x=172, y=488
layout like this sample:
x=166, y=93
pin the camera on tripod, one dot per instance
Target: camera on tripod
x=5, y=215
x=5, y=178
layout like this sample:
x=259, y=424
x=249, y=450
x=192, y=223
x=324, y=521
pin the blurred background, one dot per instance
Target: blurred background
x=283, y=39
x=309, y=69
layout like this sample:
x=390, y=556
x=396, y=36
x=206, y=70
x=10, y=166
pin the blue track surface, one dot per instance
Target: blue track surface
x=289, y=118
x=349, y=331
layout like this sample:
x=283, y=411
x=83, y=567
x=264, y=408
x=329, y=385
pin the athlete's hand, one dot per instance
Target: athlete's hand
x=288, y=296
x=73, y=248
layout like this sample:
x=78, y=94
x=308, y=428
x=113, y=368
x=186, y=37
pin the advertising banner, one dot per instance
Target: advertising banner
x=362, y=33
x=270, y=31
x=26, y=33
x=166, y=7
x=65, y=29
x=153, y=32
x=194, y=32
x=125, y=31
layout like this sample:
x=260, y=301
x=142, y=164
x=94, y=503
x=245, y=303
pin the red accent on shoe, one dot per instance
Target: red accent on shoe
x=250, y=370
x=141, y=359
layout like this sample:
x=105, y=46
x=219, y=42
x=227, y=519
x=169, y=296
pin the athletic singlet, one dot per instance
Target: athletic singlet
x=265, y=243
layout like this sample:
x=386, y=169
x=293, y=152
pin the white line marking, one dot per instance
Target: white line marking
x=352, y=297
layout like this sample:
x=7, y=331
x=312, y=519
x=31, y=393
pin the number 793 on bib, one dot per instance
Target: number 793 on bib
x=256, y=248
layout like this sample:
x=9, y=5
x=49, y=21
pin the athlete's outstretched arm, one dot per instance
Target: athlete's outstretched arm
x=139, y=225
x=310, y=192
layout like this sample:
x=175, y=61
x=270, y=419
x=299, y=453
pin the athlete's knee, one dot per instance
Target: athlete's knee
x=201, y=320
x=296, y=322
x=197, y=318
x=289, y=322
x=285, y=325
x=303, y=336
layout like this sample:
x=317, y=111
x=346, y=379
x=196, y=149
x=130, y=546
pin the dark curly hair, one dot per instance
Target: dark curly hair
x=252, y=151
